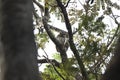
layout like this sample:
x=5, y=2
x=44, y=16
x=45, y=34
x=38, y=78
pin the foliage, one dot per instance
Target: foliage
x=68, y=71
x=41, y=39
x=94, y=39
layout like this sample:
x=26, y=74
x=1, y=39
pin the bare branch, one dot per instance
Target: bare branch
x=67, y=3
x=39, y=5
x=57, y=64
x=72, y=45
x=57, y=43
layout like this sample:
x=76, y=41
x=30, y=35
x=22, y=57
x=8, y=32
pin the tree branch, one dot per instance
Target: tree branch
x=57, y=64
x=72, y=46
x=112, y=71
x=47, y=28
x=39, y=5
x=116, y=32
x=55, y=69
x=67, y=3
x=57, y=43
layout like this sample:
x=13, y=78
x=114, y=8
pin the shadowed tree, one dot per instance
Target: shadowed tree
x=113, y=70
x=20, y=53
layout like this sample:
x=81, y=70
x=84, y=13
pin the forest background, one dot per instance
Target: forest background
x=75, y=38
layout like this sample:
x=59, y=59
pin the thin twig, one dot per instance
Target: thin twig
x=116, y=32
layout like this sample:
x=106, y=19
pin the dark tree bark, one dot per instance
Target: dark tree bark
x=113, y=70
x=17, y=37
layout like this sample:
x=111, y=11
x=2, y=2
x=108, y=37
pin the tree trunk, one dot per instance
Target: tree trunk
x=17, y=37
x=113, y=70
